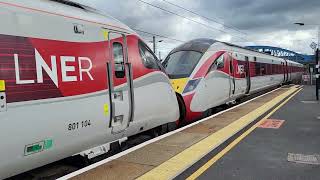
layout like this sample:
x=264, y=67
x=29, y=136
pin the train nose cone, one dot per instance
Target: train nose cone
x=179, y=84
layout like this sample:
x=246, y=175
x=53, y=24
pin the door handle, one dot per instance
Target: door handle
x=3, y=103
x=118, y=95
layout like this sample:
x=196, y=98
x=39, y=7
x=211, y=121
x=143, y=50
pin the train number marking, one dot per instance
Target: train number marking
x=79, y=125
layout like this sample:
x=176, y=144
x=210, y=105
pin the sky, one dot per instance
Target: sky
x=242, y=22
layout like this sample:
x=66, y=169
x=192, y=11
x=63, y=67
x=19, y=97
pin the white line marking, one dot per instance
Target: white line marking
x=85, y=169
x=310, y=102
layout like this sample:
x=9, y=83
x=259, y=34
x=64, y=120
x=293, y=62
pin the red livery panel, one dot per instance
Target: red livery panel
x=25, y=80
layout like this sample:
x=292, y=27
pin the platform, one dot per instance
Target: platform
x=228, y=145
x=263, y=153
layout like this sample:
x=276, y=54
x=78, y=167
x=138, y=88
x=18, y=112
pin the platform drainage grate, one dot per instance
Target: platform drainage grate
x=304, y=159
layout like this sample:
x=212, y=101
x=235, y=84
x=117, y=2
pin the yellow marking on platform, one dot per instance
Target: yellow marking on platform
x=179, y=84
x=271, y=124
x=206, y=166
x=182, y=161
x=2, y=85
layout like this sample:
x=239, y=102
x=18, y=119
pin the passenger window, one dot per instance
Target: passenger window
x=263, y=69
x=118, y=60
x=269, y=69
x=148, y=58
x=218, y=64
x=231, y=64
x=257, y=68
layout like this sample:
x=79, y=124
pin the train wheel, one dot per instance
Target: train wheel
x=155, y=132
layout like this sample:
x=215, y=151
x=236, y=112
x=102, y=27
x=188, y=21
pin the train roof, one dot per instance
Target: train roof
x=98, y=16
x=200, y=45
x=75, y=4
x=203, y=44
x=73, y=10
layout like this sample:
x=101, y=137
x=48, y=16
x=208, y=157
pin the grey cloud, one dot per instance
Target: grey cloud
x=268, y=14
x=258, y=18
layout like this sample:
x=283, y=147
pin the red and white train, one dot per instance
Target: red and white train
x=72, y=79
x=208, y=73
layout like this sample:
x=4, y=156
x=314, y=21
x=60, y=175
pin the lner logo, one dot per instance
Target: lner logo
x=58, y=68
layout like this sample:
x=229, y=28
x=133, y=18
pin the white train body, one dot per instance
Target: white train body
x=209, y=73
x=72, y=79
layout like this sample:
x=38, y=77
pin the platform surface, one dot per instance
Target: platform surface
x=263, y=153
x=185, y=151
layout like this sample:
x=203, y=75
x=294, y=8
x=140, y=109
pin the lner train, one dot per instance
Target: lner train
x=72, y=79
x=208, y=73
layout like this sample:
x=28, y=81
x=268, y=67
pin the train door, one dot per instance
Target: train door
x=289, y=72
x=284, y=72
x=217, y=76
x=232, y=75
x=120, y=83
x=247, y=71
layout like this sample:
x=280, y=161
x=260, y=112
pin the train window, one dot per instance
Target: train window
x=218, y=63
x=118, y=60
x=263, y=69
x=279, y=69
x=148, y=58
x=231, y=64
x=269, y=69
x=182, y=63
x=274, y=69
x=257, y=67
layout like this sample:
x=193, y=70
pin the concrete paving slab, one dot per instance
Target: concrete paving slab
x=182, y=139
x=202, y=128
x=152, y=155
x=113, y=171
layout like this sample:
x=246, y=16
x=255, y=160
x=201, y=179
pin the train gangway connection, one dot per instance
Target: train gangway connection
x=265, y=138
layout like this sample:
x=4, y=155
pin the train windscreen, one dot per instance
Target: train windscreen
x=181, y=64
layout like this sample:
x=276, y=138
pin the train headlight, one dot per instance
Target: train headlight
x=192, y=85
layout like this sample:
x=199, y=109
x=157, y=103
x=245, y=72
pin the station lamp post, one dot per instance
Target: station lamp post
x=316, y=56
x=154, y=43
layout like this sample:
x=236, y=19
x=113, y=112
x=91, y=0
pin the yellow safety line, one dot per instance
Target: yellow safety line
x=206, y=166
x=177, y=164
